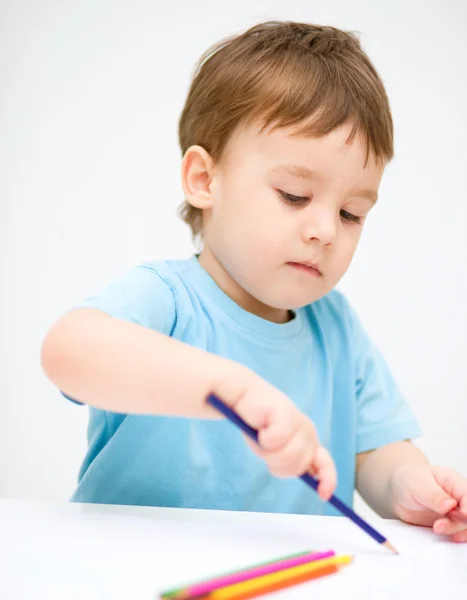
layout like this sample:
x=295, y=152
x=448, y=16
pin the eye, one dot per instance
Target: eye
x=350, y=218
x=293, y=200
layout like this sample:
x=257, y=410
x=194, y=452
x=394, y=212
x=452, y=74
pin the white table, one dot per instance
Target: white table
x=70, y=551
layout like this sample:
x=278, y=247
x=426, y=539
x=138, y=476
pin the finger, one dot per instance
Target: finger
x=292, y=459
x=460, y=538
x=278, y=431
x=454, y=484
x=448, y=527
x=457, y=515
x=324, y=469
x=255, y=448
x=256, y=414
x=433, y=497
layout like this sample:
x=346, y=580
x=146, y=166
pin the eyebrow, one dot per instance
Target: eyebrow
x=297, y=171
x=309, y=174
x=370, y=195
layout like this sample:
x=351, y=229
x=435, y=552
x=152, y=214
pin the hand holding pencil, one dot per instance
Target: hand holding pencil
x=214, y=401
x=287, y=439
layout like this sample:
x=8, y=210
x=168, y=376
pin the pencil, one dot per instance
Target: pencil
x=268, y=589
x=179, y=593
x=232, y=416
x=278, y=580
x=251, y=573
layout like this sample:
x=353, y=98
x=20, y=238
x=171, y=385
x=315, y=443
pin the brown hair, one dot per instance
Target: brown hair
x=281, y=74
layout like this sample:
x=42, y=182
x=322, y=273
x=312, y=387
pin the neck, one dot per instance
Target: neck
x=233, y=289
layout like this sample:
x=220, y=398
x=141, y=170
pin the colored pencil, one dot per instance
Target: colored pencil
x=269, y=588
x=232, y=416
x=251, y=573
x=174, y=593
x=275, y=581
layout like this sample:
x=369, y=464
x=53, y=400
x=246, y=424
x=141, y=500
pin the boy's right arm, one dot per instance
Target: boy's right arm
x=123, y=367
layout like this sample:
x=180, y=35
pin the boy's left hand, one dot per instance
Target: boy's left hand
x=424, y=495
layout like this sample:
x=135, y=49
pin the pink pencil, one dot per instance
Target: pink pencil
x=214, y=584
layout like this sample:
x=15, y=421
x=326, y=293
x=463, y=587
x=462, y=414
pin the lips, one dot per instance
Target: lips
x=309, y=267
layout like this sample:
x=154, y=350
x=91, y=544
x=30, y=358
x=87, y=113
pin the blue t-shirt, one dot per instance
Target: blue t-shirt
x=322, y=359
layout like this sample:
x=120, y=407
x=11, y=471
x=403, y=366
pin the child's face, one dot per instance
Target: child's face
x=278, y=203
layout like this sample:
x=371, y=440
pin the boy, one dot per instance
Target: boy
x=285, y=135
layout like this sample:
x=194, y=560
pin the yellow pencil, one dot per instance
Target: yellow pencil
x=255, y=586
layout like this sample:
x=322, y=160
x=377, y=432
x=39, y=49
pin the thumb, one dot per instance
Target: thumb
x=432, y=496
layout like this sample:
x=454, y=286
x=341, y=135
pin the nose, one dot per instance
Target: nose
x=321, y=224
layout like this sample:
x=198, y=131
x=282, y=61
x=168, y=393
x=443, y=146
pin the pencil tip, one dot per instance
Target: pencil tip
x=390, y=547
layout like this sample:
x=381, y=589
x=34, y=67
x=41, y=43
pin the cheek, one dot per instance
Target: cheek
x=348, y=246
x=247, y=210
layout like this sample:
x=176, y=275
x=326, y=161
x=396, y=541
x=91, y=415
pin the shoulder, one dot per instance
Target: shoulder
x=149, y=294
x=158, y=276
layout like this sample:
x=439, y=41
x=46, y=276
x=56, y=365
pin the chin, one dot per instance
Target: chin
x=289, y=301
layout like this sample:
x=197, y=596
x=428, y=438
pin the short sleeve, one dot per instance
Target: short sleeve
x=140, y=296
x=383, y=415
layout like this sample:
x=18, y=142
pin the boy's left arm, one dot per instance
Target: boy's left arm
x=397, y=481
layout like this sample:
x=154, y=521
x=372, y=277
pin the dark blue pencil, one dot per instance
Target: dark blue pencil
x=232, y=416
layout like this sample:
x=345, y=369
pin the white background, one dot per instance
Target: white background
x=90, y=94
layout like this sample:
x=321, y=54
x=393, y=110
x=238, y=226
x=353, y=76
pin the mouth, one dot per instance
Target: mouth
x=307, y=267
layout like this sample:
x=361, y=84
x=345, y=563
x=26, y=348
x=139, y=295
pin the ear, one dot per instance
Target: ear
x=197, y=172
